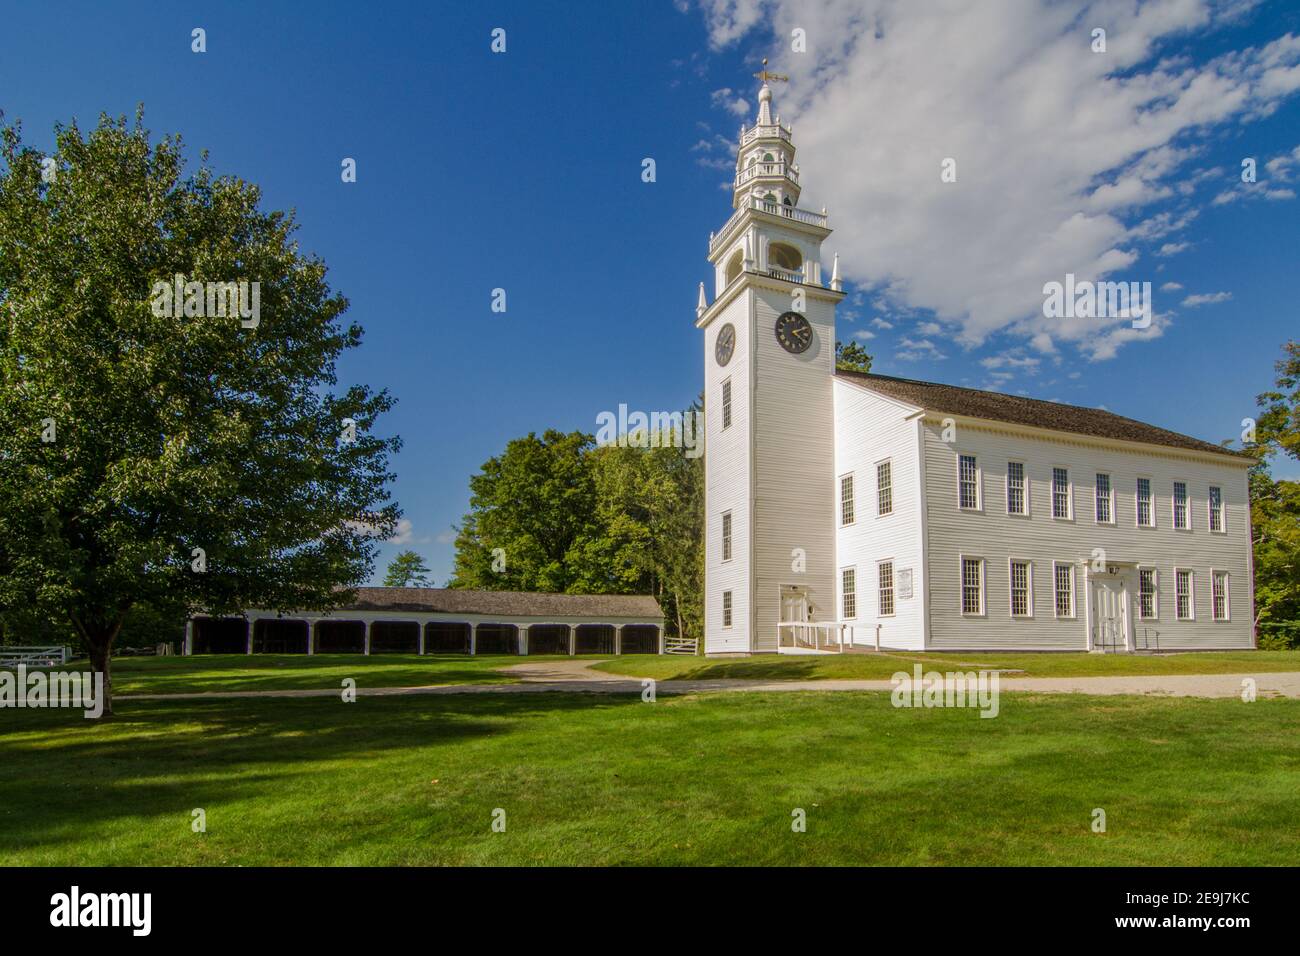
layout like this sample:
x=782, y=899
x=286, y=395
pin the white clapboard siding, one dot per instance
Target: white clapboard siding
x=727, y=482
x=995, y=536
x=794, y=460
x=869, y=429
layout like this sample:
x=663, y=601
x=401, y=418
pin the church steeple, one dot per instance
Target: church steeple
x=765, y=167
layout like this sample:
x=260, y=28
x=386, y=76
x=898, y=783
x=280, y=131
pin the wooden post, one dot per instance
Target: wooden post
x=189, y=636
x=252, y=628
x=311, y=637
x=367, y=651
x=573, y=639
x=473, y=639
x=420, y=625
x=618, y=639
x=523, y=639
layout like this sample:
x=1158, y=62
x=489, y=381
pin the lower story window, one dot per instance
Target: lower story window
x=1183, y=595
x=1020, y=599
x=1063, y=574
x=972, y=586
x=726, y=609
x=1147, y=593
x=1219, y=587
x=849, y=589
x=886, y=572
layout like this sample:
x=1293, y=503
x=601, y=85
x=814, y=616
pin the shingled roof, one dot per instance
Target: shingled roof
x=1000, y=407
x=506, y=603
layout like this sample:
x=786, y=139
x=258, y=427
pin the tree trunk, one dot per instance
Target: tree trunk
x=101, y=662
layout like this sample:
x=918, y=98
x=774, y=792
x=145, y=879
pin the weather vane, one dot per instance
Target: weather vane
x=765, y=76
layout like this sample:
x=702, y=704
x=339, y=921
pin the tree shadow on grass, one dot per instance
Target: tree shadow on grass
x=61, y=774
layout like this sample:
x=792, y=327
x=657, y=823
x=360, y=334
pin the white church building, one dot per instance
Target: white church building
x=848, y=509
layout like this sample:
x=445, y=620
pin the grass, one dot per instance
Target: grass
x=699, y=779
x=240, y=672
x=883, y=666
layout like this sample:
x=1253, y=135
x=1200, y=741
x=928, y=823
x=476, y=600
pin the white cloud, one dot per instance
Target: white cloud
x=1206, y=299
x=402, y=533
x=1171, y=287
x=864, y=335
x=729, y=100
x=1060, y=152
x=1172, y=248
x=882, y=324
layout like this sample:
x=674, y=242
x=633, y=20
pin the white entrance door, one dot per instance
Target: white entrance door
x=1109, y=614
x=794, y=607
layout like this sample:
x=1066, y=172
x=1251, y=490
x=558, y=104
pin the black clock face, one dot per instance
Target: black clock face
x=725, y=344
x=793, y=332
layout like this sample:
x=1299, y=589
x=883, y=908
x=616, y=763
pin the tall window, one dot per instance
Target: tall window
x=1180, y=504
x=726, y=404
x=972, y=586
x=1063, y=576
x=849, y=589
x=726, y=609
x=1021, y=600
x=1219, y=594
x=1216, y=508
x=885, y=573
x=1183, y=595
x=968, y=487
x=1016, y=501
x=1105, y=511
x=884, y=489
x=1145, y=516
x=1147, y=594
x=846, y=500
x=726, y=536
x=1060, y=493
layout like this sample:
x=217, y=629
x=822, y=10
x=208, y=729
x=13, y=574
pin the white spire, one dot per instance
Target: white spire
x=836, y=284
x=702, y=304
x=765, y=106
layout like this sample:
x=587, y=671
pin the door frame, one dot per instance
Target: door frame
x=1120, y=575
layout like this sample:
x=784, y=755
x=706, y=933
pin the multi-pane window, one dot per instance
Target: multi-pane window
x=1216, y=508
x=726, y=536
x=1145, y=516
x=1147, y=593
x=1060, y=493
x=1180, y=504
x=726, y=404
x=1021, y=604
x=968, y=487
x=1063, y=579
x=885, y=573
x=726, y=609
x=849, y=589
x=1183, y=595
x=884, y=489
x=1105, y=513
x=1016, y=500
x=846, y=500
x=972, y=586
x=1219, y=595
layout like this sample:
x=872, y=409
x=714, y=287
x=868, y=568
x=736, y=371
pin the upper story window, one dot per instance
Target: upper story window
x=1105, y=501
x=1216, y=508
x=1061, y=493
x=1017, y=499
x=846, y=500
x=1180, y=505
x=726, y=404
x=726, y=536
x=884, y=488
x=968, y=483
x=1146, y=516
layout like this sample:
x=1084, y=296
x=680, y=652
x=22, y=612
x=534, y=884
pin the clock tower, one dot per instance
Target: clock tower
x=769, y=357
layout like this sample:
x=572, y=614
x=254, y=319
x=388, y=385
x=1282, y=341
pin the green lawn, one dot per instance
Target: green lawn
x=238, y=672
x=883, y=666
x=700, y=779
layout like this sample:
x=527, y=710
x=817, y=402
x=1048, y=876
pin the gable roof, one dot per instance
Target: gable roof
x=506, y=603
x=1034, y=412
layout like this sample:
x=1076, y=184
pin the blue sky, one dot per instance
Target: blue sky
x=523, y=171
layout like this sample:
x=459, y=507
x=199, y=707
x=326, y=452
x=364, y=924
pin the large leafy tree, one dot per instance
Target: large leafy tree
x=1275, y=507
x=170, y=461
x=407, y=570
x=852, y=357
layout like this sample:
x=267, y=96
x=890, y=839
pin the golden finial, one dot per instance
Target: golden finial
x=765, y=76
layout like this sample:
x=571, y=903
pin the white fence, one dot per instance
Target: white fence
x=34, y=656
